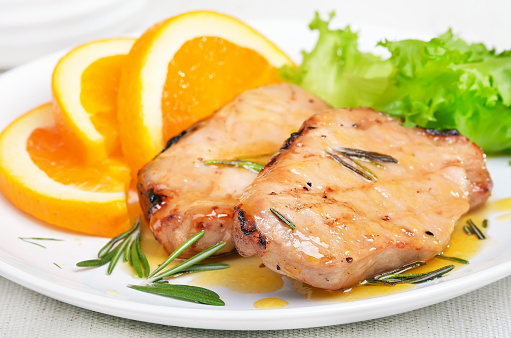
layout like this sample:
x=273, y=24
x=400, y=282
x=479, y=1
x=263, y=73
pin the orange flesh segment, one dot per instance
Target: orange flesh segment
x=61, y=163
x=205, y=74
x=99, y=87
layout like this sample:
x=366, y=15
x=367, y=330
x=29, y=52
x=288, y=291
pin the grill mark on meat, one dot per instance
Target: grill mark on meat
x=442, y=132
x=272, y=161
x=154, y=201
x=205, y=196
x=262, y=241
x=174, y=140
x=291, y=139
x=246, y=227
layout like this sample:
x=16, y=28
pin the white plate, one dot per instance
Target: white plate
x=33, y=267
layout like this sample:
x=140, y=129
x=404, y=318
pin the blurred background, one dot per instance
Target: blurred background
x=32, y=28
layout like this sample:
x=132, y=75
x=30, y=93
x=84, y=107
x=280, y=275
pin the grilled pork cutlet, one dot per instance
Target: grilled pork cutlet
x=364, y=195
x=182, y=196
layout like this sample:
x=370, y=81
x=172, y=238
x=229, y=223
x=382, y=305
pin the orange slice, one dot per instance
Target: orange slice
x=182, y=70
x=85, y=84
x=44, y=177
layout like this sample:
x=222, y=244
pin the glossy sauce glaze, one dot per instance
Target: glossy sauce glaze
x=503, y=206
x=250, y=276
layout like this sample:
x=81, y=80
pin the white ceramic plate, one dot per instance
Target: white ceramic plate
x=31, y=266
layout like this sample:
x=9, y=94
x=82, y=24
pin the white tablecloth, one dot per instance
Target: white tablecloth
x=482, y=313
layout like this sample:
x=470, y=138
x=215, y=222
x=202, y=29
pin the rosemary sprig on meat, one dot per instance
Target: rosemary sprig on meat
x=249, y=165
x=358, y=168
x=31, y=239
x=349, y=166
x=368, y=155
x=126, y=245
x=283, y=219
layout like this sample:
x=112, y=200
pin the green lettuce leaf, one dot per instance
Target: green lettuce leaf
x=444, y=83
x=337, y=71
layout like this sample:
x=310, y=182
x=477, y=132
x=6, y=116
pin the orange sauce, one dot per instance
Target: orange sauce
x=270, y=303
x=461, y=246
x=503, y=206
x=250, y=276
x=244, y=275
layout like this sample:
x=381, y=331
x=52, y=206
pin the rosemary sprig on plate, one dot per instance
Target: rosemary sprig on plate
x=476, y=230
x=455, y=259
x=30, y=239
x=358, y=168
x=249, y=165
x=126, y=245
x=412, y=278
x=156, y=284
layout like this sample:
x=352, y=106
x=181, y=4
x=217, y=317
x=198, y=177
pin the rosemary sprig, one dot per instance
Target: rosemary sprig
x=413, y=278
x=455, y=259
x=467, y=230
x=399, y=270
x=30, y=239
x=349, y=166
x=283, y=219
x=126, y=245
x=369, y=155
x=184, y=292
x=184, y=266
x=476, y=230
x=365, y=168
x=249, y=165
x=156, y=285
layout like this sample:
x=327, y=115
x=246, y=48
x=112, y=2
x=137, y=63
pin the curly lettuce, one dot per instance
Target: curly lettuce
x=444, y=83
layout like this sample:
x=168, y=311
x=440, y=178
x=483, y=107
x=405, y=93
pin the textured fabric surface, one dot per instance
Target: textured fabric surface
x=482, y=313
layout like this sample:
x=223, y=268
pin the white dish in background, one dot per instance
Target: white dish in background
x=32, y=28
x=33, y=267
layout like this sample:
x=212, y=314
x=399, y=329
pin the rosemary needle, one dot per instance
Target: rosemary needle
x=476, y=230
x=283, y=219
x=467, y=230
x=186, y=264
x=126, y=245
x=249, y=165
x=30, y=239
x=456, y=259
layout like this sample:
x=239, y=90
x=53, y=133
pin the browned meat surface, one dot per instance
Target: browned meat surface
x=349, y=228
x=181, y=196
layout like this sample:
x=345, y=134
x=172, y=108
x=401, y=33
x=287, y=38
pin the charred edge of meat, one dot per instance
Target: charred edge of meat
x=154, y=200
x=442, y=132
x=272, y=161
x=291, y=139
x=246, y=227
x=262, y=241
x=175, y=139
